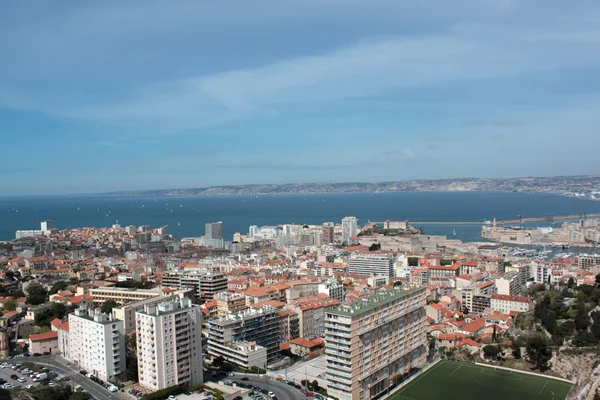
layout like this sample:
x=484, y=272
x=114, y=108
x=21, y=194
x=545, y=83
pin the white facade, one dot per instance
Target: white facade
x=349, y=229
x=372, y=264
x=333, y=289
x=169, y=344
x=506, y=304
x=97, y=343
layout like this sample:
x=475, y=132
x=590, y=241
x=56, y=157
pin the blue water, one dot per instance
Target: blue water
x=239, y=212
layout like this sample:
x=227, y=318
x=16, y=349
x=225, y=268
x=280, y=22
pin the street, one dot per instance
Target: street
x=281, y=390
x=97, y=391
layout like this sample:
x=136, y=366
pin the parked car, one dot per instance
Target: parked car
x=13, y=376
x=46, y=353
x=22, y=380
x=245, y=378
x=37, y=354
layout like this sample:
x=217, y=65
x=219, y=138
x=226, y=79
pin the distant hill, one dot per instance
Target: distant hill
x=566, y=185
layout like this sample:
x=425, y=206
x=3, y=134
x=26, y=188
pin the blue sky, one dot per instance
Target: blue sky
x=111, y=95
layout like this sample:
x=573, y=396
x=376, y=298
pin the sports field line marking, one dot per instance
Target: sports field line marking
x=543, y=387
x=457, y=368
x=438, y=363
x=495, y=373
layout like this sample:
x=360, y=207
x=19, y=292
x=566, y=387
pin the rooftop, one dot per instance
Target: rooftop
x=380, y=297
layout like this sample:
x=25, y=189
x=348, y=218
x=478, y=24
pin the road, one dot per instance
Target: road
x=97, y=391
x=281, y=390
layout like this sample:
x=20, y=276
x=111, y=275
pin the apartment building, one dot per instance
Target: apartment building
x=205, y=284
x=372, y=340
x=587, y=261
x=257, y=325
x=126, y=312
x=289, y=325
x=444, y=271
x=228, y=302
x=511, y=284
x=506, y=303
x=333, y=289
x=97, y=343
x=311, y=314
x=372, y=264
x=475, y=303
x=169, y=344
x=121, y=295
x=245, y=354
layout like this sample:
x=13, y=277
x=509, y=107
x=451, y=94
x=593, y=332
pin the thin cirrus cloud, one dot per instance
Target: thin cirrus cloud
x=370, y=67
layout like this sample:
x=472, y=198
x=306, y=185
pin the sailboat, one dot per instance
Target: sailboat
x=454, y=232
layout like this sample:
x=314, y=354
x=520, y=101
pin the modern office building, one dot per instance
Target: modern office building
x=169, y=344
x=205, y=284
x=214, y=230
x=349, y=229
x=253, y=325
x=371, y=341
x=372, y=264
x=97, y=343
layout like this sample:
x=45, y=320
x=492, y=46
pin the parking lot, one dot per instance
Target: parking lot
x=6, y=374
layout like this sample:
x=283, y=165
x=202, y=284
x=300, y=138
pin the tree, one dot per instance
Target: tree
x=491, y=351
x=10, y=305
x=131, y=371
x=494, y=335
x=218, y=362
x=19, y=293
x=36, y=294
x=595, y=328
x=516, y=348
x=598, y=280
x=375, y=247
x=45, y=316
x=538, y=352
x=315, y=385
x=582, y=319
x=58, y=286
x=108, y=306
x=571, y=283
x=413, y=261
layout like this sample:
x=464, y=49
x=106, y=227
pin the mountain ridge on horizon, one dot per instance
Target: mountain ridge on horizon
x=553, y=184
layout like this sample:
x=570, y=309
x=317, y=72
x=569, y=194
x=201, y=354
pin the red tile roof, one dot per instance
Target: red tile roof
x=44, y=336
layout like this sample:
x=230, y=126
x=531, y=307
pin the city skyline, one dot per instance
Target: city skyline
x=112, y=96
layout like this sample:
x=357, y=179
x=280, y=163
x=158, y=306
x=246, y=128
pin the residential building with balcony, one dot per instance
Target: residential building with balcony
x=205, y=284
x=229, y=302
x=373, y=340
x=97, y=343
x=257, y=325
x=169, y=344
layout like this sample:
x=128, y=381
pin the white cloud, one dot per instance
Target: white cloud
x=376, y=65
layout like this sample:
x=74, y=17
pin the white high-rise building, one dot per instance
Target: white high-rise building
x=46, y=225
x=372, y=264
x=97, y=343
x=349, y=229
x=253, y=231
x=169, y=344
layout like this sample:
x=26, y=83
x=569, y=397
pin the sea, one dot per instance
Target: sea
x=186, y=216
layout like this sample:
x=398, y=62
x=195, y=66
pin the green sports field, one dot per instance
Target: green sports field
x=449, y=380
